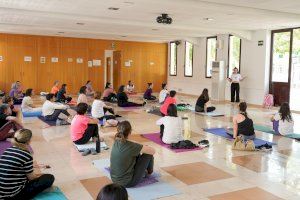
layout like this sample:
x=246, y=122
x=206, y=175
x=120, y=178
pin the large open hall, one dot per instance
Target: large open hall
x=149, y=99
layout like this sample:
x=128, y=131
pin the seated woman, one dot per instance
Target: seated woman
x=83, y=128
x=129, y=161
x=130, y=88
x=16, y=93
x=8, y=123
x=201, y=103
x=13, y=111
x=18, y=179
x=99, y=109
x=169, y=100
x=61, y=95
x=27, y=103
x=123, y=99
x=284, y=120
x=109, y=94
x=163, y=93
x=55, y=88
x=242, y=124
x=89, y=88
x=148, y=93
x=82, y=98
x=113, y=192
x=53, y=111
x=171, y=126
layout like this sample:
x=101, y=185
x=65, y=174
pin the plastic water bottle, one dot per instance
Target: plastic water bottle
x=104, y=121
x=98, y=146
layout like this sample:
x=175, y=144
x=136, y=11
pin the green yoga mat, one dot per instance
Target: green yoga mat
x=51, y=194
x=182, y=108
x=267, y=129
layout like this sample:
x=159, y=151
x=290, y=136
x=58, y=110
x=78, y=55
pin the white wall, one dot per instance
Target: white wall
x=254, y=65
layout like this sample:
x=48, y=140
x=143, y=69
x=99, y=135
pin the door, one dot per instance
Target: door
x=117, y=69
x=108, y=69
x=280, y=78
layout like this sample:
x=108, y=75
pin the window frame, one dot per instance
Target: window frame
x=240, y=67
x=185, y=59
x=171, y=58
x=212, y=37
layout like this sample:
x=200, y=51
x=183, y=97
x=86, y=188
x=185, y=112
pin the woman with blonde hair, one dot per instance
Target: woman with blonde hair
x=17, y=178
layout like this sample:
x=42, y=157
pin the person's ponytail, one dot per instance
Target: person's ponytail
x=123, y=131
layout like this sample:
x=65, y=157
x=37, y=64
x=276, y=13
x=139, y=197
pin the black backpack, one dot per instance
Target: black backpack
x=184, y=144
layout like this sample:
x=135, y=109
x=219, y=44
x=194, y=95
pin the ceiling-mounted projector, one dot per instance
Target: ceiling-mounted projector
x=164, y=19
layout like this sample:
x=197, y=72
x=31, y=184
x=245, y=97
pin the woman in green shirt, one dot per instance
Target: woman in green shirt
x=129, y=161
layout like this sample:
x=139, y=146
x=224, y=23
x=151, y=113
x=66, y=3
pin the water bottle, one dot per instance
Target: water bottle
x=98, y=146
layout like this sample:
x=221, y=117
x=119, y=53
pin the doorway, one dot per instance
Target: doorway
x=108, y=69
x=285, y=67
x=116, y=69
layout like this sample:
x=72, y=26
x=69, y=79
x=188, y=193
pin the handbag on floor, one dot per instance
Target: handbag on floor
x=268, y=101
x=184, y=144
x=239, y=144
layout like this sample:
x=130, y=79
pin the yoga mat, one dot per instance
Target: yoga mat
x=50, y=123
x=155, y=112
x=90, y=145
x=131, y=108
x=267, y=129
x=156, y=190
x=223, y=133
x=211, y=114
x=32, y=114
x=154, y=137
x=51, y=194
x=4, y=145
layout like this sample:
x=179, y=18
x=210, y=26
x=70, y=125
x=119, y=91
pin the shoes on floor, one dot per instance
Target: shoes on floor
x=203, y=143
x=93, y=151
x=86, y=152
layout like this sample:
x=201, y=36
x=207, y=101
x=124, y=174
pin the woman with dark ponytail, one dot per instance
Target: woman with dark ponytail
x=129, y=161
x=283, y=122
x=242, y=124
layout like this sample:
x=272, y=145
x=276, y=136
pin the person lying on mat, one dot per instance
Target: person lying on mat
x=27, y=103
x=53, y=111
x=84, y=128
x=284, y=120
x=55, y=88
x=100, y=110
x=163, y=93
x=16, y=93
x=130, y=88
x=242, y=124
x=13, y=111
x=109, y=94
x=113, y=192
x=8, y=123
x=82, y=98
x=148, y=93
x=171, y=127
x=61, y=95
x=202, y=101
x=18, y=180
x=129, y=161
x=89, y=88
x=169, y=100
x=123, y=99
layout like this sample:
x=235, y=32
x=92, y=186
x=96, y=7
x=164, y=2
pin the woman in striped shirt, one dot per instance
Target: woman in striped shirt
x=17, y=178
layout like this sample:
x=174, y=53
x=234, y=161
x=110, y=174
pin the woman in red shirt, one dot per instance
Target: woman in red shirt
x=169, y=100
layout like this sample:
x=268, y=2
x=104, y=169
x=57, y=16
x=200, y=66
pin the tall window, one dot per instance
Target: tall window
x=234, y=56
x=211, y=54
x=188, y=67
x=173, y=59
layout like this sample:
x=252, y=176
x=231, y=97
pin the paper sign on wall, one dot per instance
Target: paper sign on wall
x=97, y=63
x=127, y=64
x=42, y=59
x=54, y=59
x=27, y=58
x=151, y=63
x=1, y=58
x=90, y=63
x=70, y=60
x=79, y=60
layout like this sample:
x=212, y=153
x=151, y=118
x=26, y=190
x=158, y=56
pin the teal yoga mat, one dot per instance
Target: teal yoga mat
x=267, y=129
x=155, y=190
x=51, y=194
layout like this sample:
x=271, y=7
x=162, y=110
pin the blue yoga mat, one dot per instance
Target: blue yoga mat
x=156, y=190
x=32, y=114
x=222, y=132
x=54, y=193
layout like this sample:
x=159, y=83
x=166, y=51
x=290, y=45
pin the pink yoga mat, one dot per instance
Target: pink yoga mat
x=154, y=137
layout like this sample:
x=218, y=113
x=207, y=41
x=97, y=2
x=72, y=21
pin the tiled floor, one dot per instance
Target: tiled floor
x=217, y=172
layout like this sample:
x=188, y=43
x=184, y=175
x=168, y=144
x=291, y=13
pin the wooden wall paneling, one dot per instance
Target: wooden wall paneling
x=3, y=64
x=117, y=74
x=96, y=73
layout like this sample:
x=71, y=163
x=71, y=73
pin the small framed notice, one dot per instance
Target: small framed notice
x=27, y=58
x=90, y=63
x=54, y=59
x=70, y=60
x=96, y=63
x=42, y=60
x=79, y=60
x=1, y=58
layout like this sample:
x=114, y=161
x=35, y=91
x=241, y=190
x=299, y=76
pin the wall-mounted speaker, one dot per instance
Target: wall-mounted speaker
x=177, y=42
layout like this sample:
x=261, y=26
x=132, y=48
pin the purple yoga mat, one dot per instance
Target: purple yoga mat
x=4, y=145
x=154, y=137
x=145, y=181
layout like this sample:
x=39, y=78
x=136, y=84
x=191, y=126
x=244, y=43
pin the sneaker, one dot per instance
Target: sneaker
x=93, y=151
x=86, y=152
x=118, y=115
x=144, y=103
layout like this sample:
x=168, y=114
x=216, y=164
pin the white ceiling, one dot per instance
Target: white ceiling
x=136, y=19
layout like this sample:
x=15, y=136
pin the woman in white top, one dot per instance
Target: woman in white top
x=284, y=120
x=163, y=93
x=130, y=87
x=89, y=89
x=55, y=111
x=27, y=103
x=171, y=126
x=235, y=80
x=100, y=109
x=82, y=98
